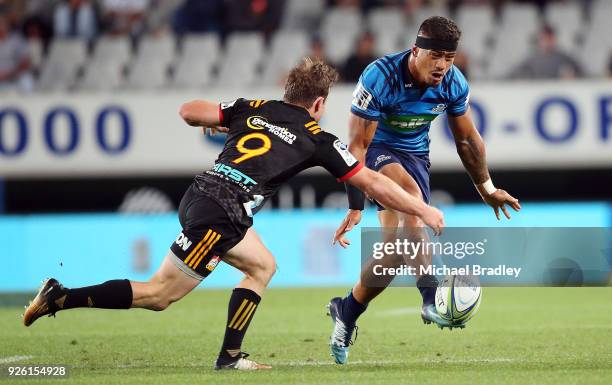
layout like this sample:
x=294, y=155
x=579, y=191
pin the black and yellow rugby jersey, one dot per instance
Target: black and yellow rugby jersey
x=269, y=142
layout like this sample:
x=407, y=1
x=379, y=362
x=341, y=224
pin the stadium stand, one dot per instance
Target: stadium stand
x=105, y=69
x=339, y=29
x=492, y=41
x=387, y=25
x=242, y=58
x=568, y=20
x=149, y=69
x=197, y=60
x=60, y=68
x=280, y=59
x=598, y=40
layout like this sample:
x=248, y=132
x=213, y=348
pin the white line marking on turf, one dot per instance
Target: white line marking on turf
x=396, y=362
x=398, y=312
x=8, y=360
x=327, y=363
x=465, y=360
x=330, y=362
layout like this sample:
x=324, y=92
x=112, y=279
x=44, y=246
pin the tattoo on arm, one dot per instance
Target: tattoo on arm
x=470, y=147
x=361, y=132
x=472, y=153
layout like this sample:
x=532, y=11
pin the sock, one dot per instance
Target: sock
x=116, y=294
x=352, y=309
x=427, y=285
x=240, y=311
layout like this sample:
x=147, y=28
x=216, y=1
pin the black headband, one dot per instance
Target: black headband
x=436, y=44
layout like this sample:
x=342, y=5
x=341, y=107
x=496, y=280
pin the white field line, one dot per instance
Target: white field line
x=331, y=362
x=396, y=362
x=11, y=359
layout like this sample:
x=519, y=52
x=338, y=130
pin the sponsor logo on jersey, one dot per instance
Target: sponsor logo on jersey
x=261, y=123
x=214, y=261
x=380, y=159
x=233, y=174
x=409, y=123
x=183, y=242
x=256, y=122
x=439, y=109
x=342, y=149
x=226, y=105
x=250, y=205
x=361, y=97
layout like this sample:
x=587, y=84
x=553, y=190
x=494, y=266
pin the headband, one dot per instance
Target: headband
x=436, y=44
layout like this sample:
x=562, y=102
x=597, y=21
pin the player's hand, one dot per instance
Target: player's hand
x=353, y=217
x=214, y=130
x=433, y=218
x=499, y=199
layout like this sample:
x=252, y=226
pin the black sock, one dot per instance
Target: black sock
x=352, y=309
x=427, y=285
x=116, y=294
x=241, y=309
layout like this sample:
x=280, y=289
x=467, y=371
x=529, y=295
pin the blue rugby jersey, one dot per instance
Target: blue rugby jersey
x=387, y=93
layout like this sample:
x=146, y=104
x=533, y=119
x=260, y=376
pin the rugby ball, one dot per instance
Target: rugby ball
x=458, y=298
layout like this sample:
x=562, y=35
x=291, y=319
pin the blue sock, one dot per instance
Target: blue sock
x=427, y=285
x=351, y=309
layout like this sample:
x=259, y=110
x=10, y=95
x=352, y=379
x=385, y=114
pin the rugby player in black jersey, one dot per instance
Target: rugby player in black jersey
x=268, y=142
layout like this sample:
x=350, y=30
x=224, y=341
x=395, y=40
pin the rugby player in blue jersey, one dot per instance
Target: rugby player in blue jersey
x=394, y=103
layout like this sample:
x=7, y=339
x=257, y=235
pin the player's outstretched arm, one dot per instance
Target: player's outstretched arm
x=361, y=132
x=201, y=113
x=471, y=150
x=391, y=195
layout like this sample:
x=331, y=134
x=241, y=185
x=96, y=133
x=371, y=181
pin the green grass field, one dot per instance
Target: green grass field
x=520, y=336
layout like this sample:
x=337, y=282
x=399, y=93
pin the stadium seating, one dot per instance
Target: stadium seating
x=477, y=25
x=568, y=22
x=387, y=25
x=61, y=67
x=512, y=44
x=339, y=30
x=385, y=20
x=286, y=49
x=240, y=64
x=302, y=15
x=428, y=11
x=105, y=69
x=195, y=64
x=494, y=47
x=112, y=49
x=35, y=47
x=102, y=76
x=597, y=46
x=149, y=69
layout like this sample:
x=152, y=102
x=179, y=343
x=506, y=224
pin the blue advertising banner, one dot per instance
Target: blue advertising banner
x=86, y=249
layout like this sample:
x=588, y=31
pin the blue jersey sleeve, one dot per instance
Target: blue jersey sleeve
x=367, y=97
x=459, y=94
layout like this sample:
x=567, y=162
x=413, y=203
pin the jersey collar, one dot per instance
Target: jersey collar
x=408, y=79
x=297, y=108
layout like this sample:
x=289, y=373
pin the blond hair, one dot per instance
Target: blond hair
x=309, y=80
